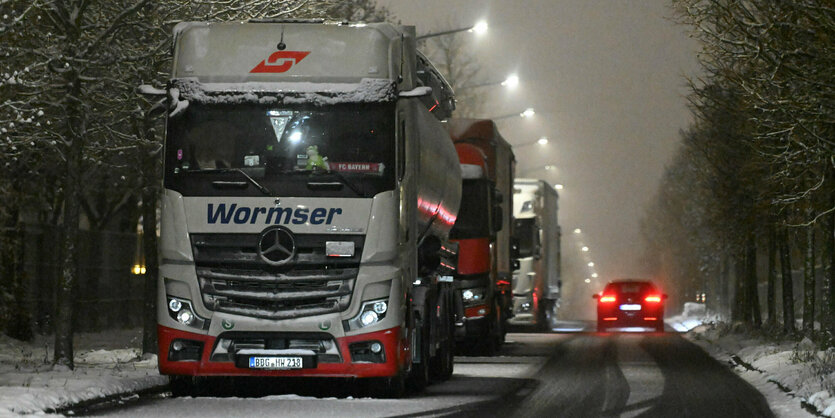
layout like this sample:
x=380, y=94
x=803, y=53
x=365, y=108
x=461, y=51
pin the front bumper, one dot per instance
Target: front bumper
x=396, y=358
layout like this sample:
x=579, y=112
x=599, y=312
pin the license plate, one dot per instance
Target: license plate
x=275, y=363
x=630, y=307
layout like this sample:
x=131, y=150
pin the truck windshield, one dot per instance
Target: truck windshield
x=527, y=233
x=474, y=215
x=344, y=150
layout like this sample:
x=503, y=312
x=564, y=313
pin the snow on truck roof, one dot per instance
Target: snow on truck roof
x=368, y=90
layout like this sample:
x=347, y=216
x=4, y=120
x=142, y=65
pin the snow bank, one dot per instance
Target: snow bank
x=694, y=314
x=789, y=374
x=30, y=385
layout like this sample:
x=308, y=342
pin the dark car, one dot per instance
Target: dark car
x=630, y=303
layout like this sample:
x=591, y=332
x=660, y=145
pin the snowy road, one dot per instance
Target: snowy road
x=568, y=374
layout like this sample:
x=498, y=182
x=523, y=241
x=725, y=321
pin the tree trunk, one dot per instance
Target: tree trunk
x=809, y=281
x=771, y=300
x=724, y=281
x=788, y=283
x=19, y=326
x=753, y=296
x=829, y=234
x=72, y=208
x=738, y=312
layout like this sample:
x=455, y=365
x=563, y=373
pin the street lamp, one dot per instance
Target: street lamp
x=577, y=230
x=480, y=28
x=559, y=186
x=540, y=141
x=591, y=264
x=525, y=114
x=585, y=249
x=510, y=82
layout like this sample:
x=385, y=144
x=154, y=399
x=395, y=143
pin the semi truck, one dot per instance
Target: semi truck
x=483, y=234
x=309, y=191
x=537, y=283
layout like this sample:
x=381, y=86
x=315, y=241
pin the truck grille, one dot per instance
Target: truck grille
x=233, y=278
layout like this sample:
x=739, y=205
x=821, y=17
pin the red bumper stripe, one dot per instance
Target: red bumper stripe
x=396, y=358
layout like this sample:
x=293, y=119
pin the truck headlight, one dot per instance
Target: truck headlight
x=473, y=296
x=181, y=311
x=372, y=312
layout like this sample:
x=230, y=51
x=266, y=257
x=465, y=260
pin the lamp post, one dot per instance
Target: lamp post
x=479, y=28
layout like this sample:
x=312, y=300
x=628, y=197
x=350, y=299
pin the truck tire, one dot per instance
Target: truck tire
x=501, y=328
x=419, y=375
x=551, y=316
x=387, y=387
x=491, y=342
x=541, y=316
x=442, y=364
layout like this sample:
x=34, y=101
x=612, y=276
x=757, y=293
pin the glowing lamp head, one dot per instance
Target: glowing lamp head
x=480, y=28
x=368, y=317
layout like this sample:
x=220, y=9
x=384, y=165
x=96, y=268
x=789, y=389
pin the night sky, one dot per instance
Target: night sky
x=608, y=81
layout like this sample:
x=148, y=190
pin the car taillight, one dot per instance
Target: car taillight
x=607, y=299
x=653, y=298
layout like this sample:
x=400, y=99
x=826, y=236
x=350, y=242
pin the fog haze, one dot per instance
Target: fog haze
x=608, y=81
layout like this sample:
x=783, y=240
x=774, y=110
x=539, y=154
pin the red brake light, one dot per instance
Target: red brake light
x=607, y=299
x=653, y=298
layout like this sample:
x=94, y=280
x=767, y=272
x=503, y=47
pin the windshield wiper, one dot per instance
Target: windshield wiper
x=263, y=189
x=336, y=174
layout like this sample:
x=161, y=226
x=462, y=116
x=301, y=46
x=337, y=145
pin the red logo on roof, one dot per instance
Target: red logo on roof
x=280, y=61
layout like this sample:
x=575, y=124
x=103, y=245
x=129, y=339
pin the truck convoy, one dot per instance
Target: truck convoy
x=309, y=192
x=537, y=284
x=483, y=234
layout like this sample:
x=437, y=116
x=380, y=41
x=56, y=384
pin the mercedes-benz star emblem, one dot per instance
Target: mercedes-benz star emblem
x=276, y=246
